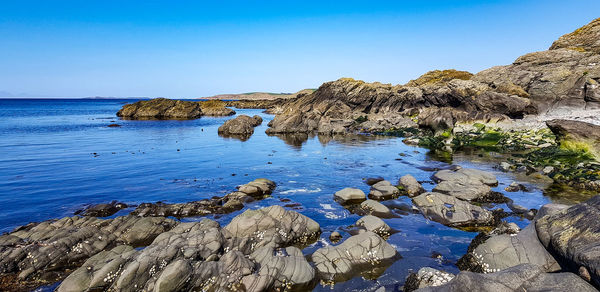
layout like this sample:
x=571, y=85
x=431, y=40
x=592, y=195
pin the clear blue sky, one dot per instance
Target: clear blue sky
x=184, y=49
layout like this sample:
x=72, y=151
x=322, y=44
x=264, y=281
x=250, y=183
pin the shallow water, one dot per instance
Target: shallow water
x=56, y=156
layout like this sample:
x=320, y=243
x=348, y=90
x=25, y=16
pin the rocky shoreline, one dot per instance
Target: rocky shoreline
x=541, y=112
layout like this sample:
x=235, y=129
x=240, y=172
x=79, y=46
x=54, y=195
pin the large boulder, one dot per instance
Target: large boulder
x=524, y=277
x=357, y=253
x=451, y=211
x=576, y=135
x=503, y=251
x=374, y=224
x=426, y=277
x=272, y=226
x=572, y=236
x=465, y=184
x=241, y=125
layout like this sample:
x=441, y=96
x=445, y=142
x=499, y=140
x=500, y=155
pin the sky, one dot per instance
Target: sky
x=191, y=49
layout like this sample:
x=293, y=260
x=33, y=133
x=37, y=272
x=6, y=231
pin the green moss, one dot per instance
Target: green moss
x=446, y=134
x=479, y=126
x=361, y=119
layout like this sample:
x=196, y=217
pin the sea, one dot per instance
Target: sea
x=58, y=156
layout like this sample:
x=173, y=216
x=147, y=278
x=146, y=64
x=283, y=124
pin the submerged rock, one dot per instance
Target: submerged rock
x=102, y=210
x=524, y=277
x=355, y=254
x=451, y=211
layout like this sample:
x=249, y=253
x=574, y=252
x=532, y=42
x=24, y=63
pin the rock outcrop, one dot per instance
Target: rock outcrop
x=168, y=109
x=254, y=190
x=465, y=184
x=241, y=126
x=252, y=253
x=572, y=234
x=566, y=77
x=43, y=252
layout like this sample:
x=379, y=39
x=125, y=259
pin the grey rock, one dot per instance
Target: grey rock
x=547, y=170
x=360, y=252
x=524, y=277
x=411, y=186
x=271, y=226
x=60, y=245
x=466, y=176
x=468, y=191
x=451, y=211
x=572, y=235
x=549, y=209
x=280, y=269
x=503, y=251
x=374, y=224
x=504, y=166
x=375, y=208
x=349, y=195
x=383, y=190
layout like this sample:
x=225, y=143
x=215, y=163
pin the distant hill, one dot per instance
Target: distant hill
x=260, y=95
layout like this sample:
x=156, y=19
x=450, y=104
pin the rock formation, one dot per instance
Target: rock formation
x=168, y=109
x=563, y=78
x=241, y=126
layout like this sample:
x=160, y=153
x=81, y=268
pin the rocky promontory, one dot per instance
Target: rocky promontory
x=168, y=109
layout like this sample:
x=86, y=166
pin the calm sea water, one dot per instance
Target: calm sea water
x=57, y=156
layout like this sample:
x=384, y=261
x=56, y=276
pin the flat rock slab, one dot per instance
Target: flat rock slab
x=524, y=277
x=573, y=236
x=466, y=176
x=383, y=190
x=451, y=211
x=350, y=195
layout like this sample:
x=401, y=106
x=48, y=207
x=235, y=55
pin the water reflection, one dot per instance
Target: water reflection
x=297, y=140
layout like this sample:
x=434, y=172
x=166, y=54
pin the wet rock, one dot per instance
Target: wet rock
x=504, y=166
x=254, y=190
x=359, y=252
x=124, y=271
x=114, y=126
x=515, y=187
x=503, y=251
x=349, y=195
x=451, y=211
x=272, y=226
x=242, y=125
x=410, y=185
x=42, y=252
x=102, y=210
x=468, y=191
x=466, y=176
x=524, y=277
x=373, y=180
x=383, y=190
x=426, y=277
x=335, y=236
x=375, y=208
x=374, y=224
x=571, y=235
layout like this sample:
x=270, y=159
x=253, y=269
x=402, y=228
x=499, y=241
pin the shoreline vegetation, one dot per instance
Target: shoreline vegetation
x=539, y=114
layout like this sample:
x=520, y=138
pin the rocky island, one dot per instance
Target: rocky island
x=541, y=111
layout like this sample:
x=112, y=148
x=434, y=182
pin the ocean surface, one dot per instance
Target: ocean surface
x=58, y=156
